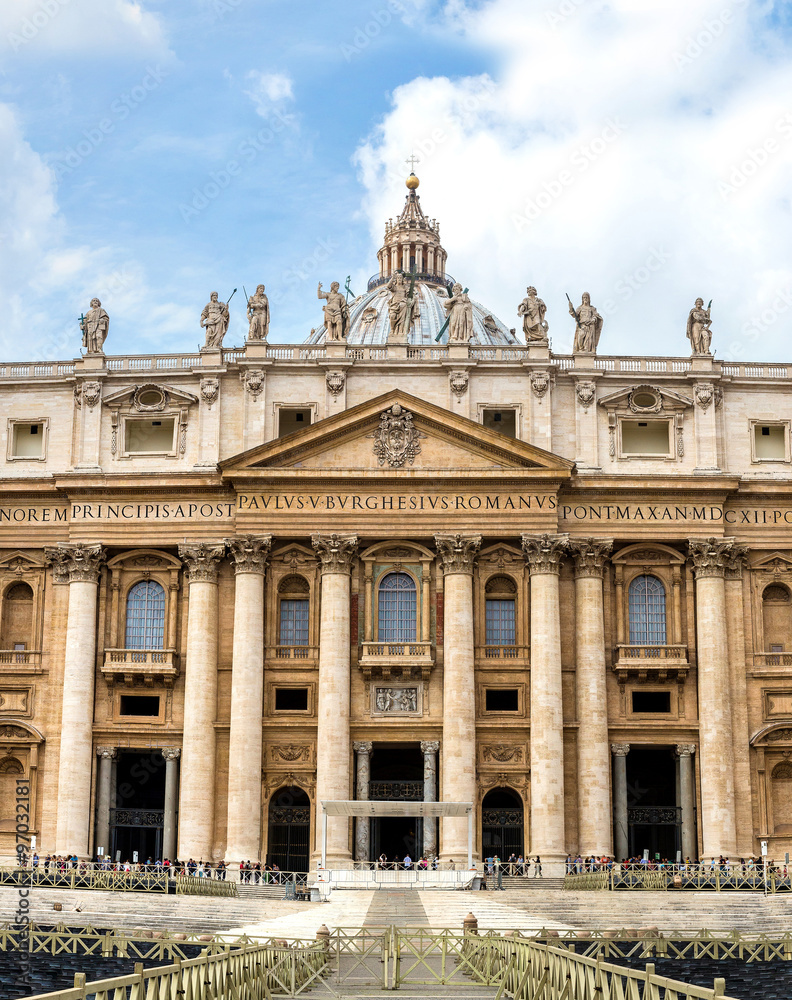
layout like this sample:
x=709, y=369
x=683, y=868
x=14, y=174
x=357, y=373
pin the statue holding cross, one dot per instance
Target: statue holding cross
x=94, y=325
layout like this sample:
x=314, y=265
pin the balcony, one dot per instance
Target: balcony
x=384, y=659
x=140, y=666
x=29, y=658
x=764, y=660
x=519, y=653
x=655, y=663
x=395, y=791
x=292, y=652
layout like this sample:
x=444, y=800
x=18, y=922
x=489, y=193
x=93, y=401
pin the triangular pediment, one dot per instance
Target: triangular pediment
x=645, y=399
x=396, y=433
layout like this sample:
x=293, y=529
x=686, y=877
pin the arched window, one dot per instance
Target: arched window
x=17, y=630
x=500, y=628
x=293, y=593
x=145, y=617
x=777, y=618
x=647, y=612
x=397, y=608
x=10, y=771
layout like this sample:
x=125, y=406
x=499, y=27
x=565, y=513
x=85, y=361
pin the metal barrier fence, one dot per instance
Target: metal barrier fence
x=701, y=877
x=143, y=880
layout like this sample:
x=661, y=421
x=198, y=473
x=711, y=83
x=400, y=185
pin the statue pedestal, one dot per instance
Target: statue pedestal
x=397, y=350
x=256, y=350
x=702, y=363
x=458, y=352
x=335, y=348
x=211, y=357
x=538, y=350
x=91, y=363
x=584, y=361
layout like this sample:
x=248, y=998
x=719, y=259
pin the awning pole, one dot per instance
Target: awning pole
x=470, y=839
x=324, y=837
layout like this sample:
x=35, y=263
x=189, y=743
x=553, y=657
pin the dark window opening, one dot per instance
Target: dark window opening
x=503, y=421
x=651, y=701
x=291, y=699
x=290, y=420
x=502, y=700
x=135, y=704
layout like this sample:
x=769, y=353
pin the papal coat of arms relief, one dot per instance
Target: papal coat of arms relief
x=396, y=440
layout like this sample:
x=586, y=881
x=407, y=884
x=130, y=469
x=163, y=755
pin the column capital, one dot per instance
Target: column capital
x=685, y=749
x=430, y=746
x=363, y=747
x=457, y=552
x=171, y=753
x=735, y=560
x=543, y=553
x=202, y=559
x=710, y=556
x=249, y=553
x=620, y=749
x=335, y=552
x=108, y=753
x=76, y=563
x=590, y=555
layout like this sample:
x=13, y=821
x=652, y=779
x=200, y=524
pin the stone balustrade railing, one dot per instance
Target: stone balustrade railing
x=130, y=665
x=407, y=649
x=292, y=652
x=773, y=659
x=20, y=657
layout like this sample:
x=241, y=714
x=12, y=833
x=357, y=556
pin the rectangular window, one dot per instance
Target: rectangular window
x=770, y=442
x=293, y=623
x=775, y=647
x=651, y=701
x=646, y=437
x=502, y=700
x=135, y=704
x=149, y=437
x=27, y=440
x=291, y=420
x=500, y=623
x=291, y=699
x=503, y=421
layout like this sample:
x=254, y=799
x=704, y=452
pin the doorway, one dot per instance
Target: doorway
x=289, y=829
x=654, y=817
x=138, y=819
x=502, y=824
x=396, y=773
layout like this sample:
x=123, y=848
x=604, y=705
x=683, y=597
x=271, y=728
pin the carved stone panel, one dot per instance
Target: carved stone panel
x=397, y=700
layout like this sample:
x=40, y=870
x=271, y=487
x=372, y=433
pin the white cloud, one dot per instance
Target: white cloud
x=80, y=26
x=268, y=89
x=638, y=150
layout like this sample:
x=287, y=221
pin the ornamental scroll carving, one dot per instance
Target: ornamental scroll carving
x=779, y=736
x=291, y=753
x=458, y=552
x=335, y=552
x=202, y=560
x=503, y=753
x=396, y=438
x=14, y=733
x=249, y=553
x=76, y=563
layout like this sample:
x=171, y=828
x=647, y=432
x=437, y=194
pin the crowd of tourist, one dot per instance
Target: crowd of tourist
x=720, y=865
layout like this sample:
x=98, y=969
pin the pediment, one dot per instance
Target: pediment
x=149, y=397
x=20, y=561
x=773, y=562
x=396, y=433
x=630, y=399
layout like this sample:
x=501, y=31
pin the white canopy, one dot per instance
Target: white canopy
x=367, y=807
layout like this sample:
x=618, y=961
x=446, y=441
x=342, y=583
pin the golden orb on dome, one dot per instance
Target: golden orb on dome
x=412, y=182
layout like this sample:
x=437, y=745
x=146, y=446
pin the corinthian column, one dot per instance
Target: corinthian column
x=77, y=565
x=333, y=779
x=458, y=554
x=718, y=827
x=741, y=735
x=243, y=838
x=595, y=829
x=197, y=786
x=363, y=752
x=429, y=750
x=543, y=554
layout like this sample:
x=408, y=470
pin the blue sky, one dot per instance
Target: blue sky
x=157, y=151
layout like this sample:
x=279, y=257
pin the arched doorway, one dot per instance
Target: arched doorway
x=289, y=829
x=502, y=824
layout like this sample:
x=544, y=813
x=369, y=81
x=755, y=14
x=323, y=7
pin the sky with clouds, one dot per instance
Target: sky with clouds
x=153, y=152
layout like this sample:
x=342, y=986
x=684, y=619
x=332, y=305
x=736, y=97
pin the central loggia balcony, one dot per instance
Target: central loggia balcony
x=383, y=659
x=649, y=662
x=292, y=652
x=140, y=666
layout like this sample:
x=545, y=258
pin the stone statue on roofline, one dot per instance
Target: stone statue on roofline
x=94, y=325
x=214, y=319
x=336, y=312
x=533, y=310
x=258, y=311
x=402, y=309
x=588, y=325
x=459, y=309
x=698, y=327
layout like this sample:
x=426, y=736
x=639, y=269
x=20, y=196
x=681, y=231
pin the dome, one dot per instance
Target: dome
x=369, y=323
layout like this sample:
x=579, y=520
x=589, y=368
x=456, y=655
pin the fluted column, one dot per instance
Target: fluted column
x=458, y=554
x=741, y=734
x=333, y=779
x=620, y=821
x=718, y=827
x=595, y=829
x=687, y=796
x=543, y=554
x=79, y=566
x=197, y=786
x=363, y=776
x=429, y=749
x=171, y=755
x=104, y=777
x=249, y=555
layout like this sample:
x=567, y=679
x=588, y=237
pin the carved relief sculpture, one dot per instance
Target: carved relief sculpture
x=254, y=381
x=94, y=325
x=335, y=382
x=91, y=393
x=214, y=319
x=540, y=383
x=210, y=390
x=503, y=753
x=532, y=309
x=459, y=383
x=396, y=439
x=704, y=393
x=396, y=699
x=291, y=753
x=698, y=328
x=588, y=325
x=258, y=312
x=336, y=313
x=586, y=390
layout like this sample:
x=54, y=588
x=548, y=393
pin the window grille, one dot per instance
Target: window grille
x=647, y=601
x=145, y=618
x=293, y=622
x=500, y=622
x=397, y=608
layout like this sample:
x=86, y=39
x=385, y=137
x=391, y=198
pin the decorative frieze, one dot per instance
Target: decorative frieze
x=249, y=553
x=335, y=552
x=396, y=700
x=544, y=553
x=457, y=552
x=291, y=752
x=76, y=563
x=202, y=560
x=502, y=753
